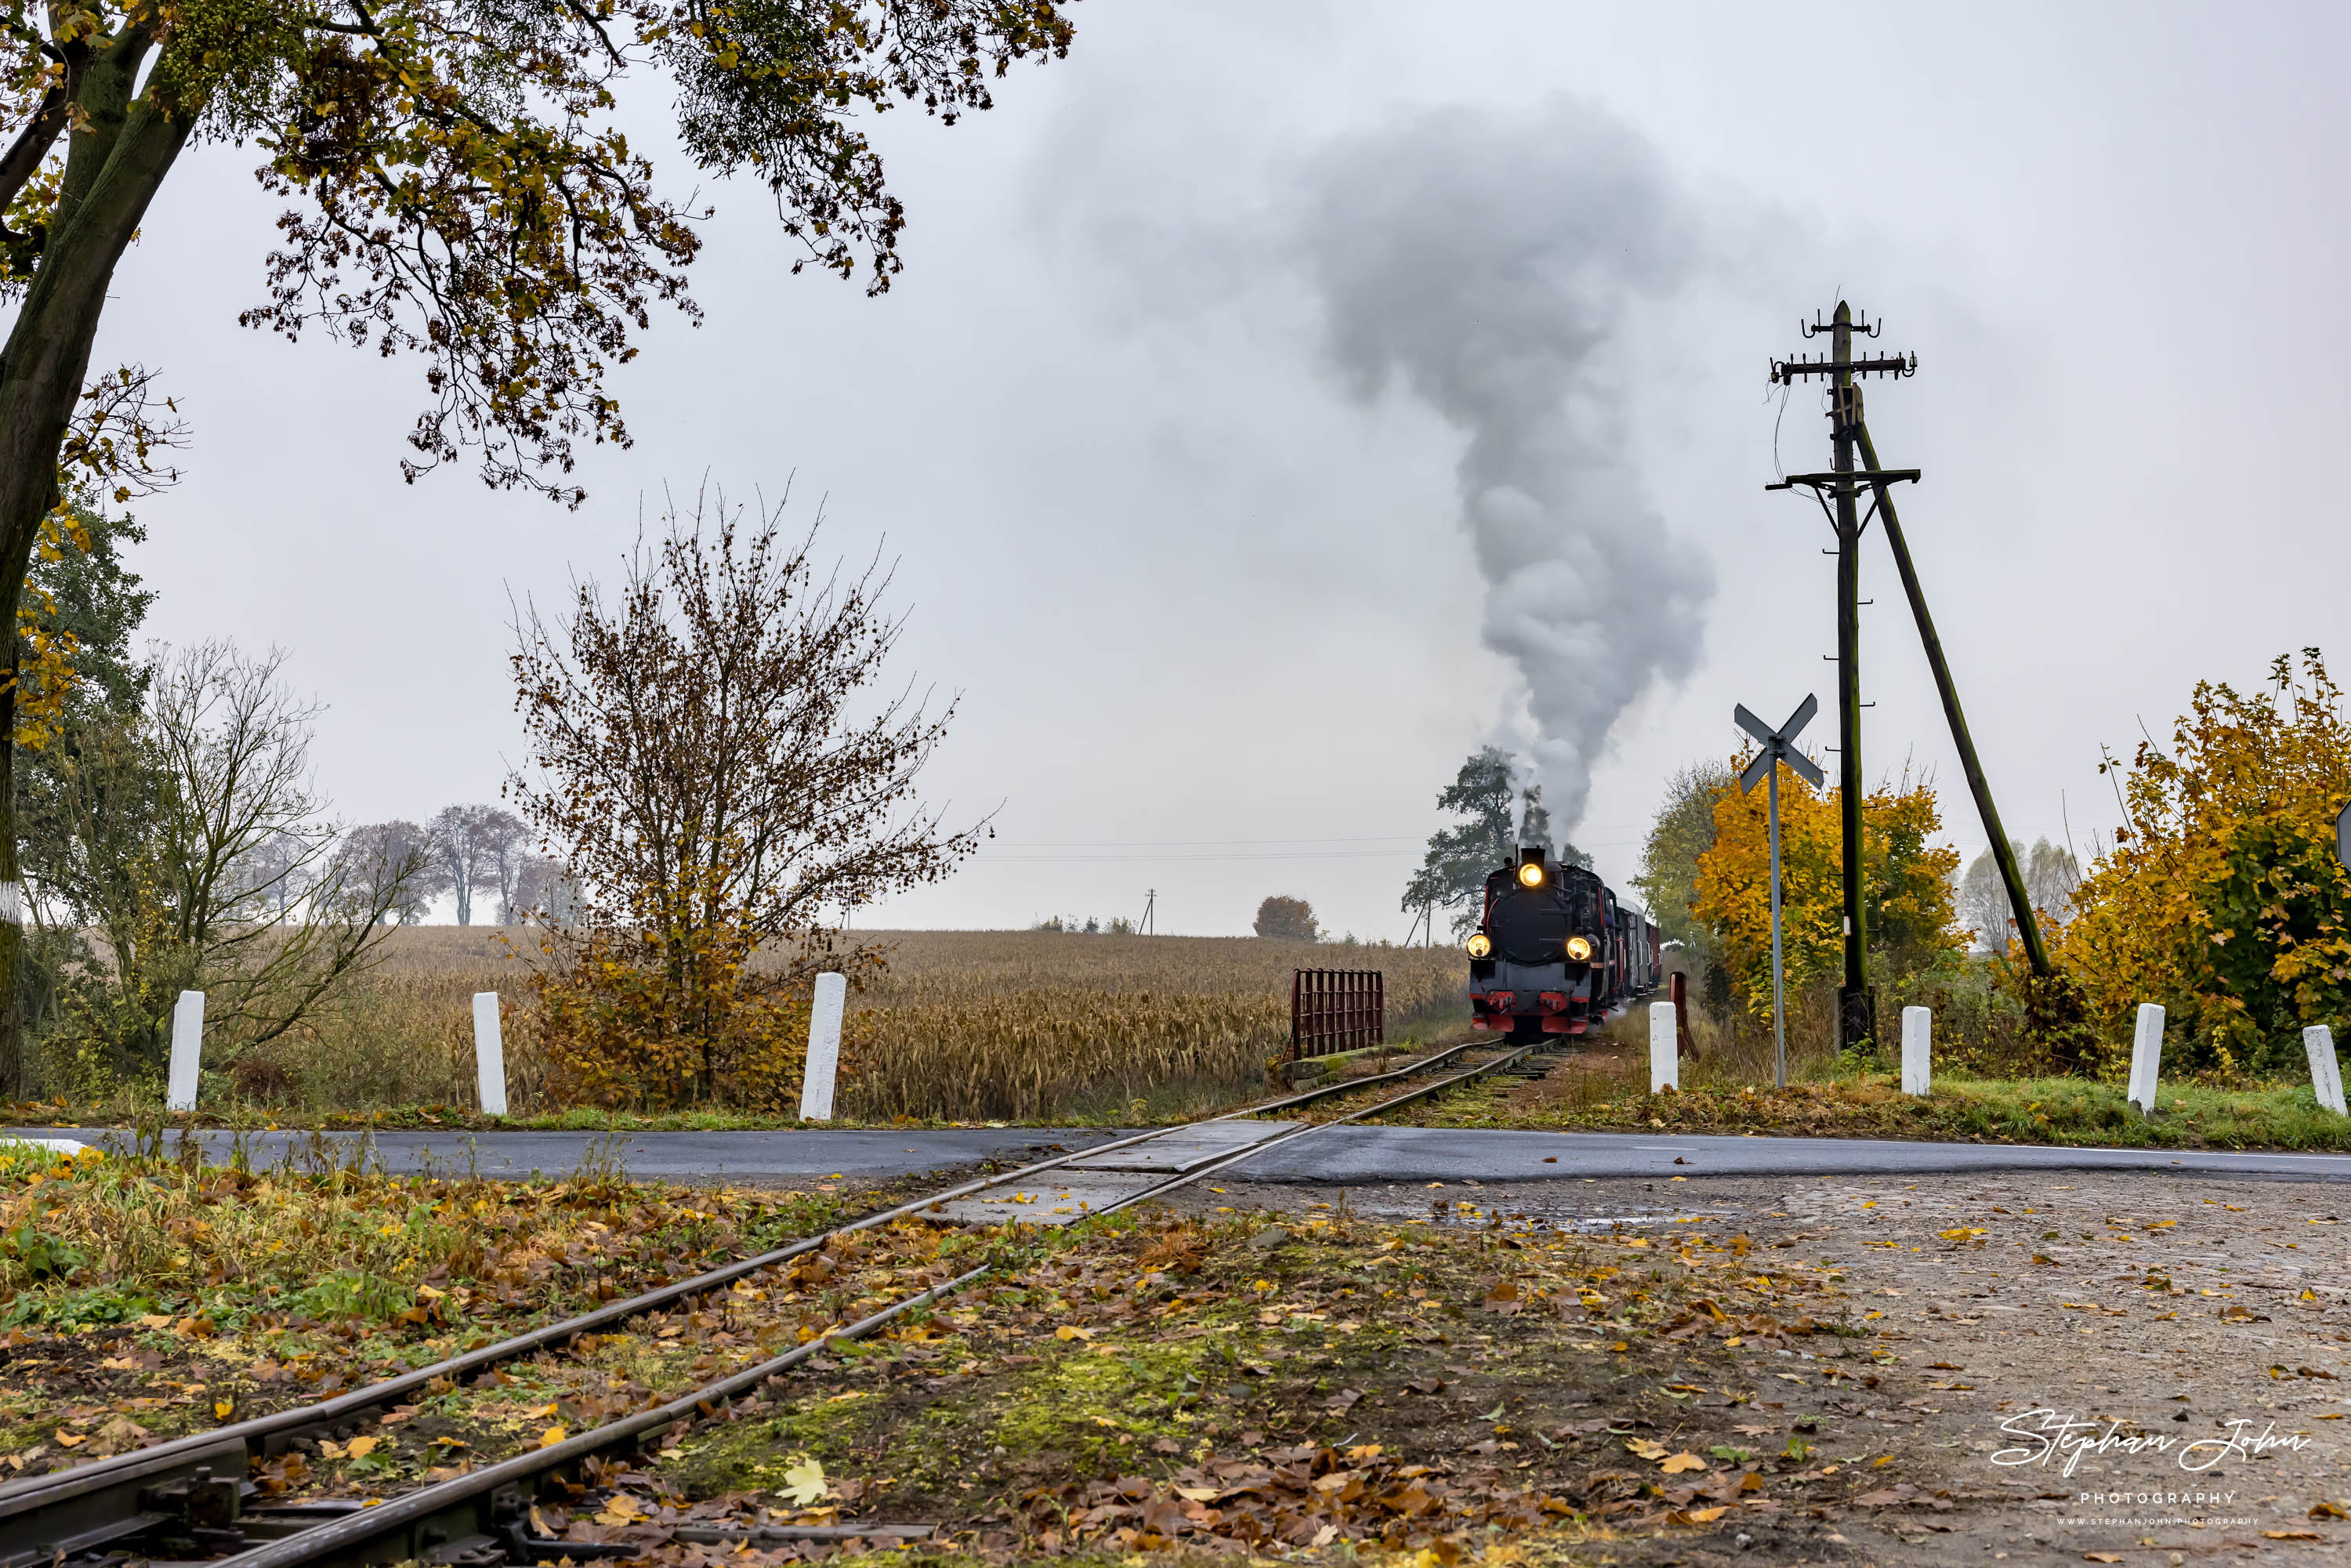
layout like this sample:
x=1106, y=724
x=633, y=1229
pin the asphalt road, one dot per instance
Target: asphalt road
x=1349, y=1155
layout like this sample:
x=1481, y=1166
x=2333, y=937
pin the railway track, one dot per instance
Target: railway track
x=188, y=1498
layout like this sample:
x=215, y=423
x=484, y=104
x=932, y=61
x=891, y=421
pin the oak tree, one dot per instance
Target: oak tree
x=458, y=187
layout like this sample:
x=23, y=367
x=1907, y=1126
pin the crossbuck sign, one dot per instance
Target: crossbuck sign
x=1779, y=746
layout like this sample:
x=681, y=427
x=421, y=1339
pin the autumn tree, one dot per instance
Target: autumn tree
x=2223, y=898
x=1906, y=881
x=1682, y=832
x=458, y=187
x=709, y=757
x=1290, y=919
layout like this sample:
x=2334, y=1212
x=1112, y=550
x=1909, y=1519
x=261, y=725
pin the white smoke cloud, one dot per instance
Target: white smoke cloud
x=1486, y=262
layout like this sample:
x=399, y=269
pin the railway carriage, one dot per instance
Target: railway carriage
x=1556, y=951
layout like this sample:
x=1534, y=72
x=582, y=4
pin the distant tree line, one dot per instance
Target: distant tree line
x=478, y=856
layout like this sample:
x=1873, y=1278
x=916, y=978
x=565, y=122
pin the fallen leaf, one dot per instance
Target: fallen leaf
x=1707, y=1515
x=2286, y=1535
x=1071, y=1332
x=804, y=1483
x=1681, y=1462
x=360, y=1447
x=1644, y=1449
x=2328, y=1511
x=551, y=1437
x=2102, y=1556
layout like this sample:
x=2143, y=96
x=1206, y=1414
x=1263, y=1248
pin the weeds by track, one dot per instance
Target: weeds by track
x=193, y=1489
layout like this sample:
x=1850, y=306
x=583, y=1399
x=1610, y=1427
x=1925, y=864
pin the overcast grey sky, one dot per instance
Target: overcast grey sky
x=1199, y=351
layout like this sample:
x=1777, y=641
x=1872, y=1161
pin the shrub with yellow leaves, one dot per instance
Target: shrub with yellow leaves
x=2222, y=898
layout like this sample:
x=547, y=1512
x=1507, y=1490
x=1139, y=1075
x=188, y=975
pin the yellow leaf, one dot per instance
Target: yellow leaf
x=551, y=1437
x=804, y=1483
x=1707, y=1515
x=72, y=1439
x=223, y=1408
x=1681, y=1462
x=1069, y=1332
x=360, y=1447
x=1643, y=1448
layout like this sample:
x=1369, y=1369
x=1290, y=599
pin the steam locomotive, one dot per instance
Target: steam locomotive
x=1554, y=951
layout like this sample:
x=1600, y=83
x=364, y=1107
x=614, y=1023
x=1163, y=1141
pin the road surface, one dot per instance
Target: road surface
x=1351, y=1156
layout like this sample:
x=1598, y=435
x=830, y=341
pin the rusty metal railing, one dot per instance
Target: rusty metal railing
x=1331, y=1010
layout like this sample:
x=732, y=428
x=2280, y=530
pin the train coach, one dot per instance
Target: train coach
x=1555, y=950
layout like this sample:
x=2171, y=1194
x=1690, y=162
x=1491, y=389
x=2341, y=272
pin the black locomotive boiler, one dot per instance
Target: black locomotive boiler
x=1556, y=951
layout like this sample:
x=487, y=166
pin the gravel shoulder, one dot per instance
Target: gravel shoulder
x=2131, y=1368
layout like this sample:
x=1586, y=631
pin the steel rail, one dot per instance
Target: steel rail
x=90, y=1499
x=486, y=1508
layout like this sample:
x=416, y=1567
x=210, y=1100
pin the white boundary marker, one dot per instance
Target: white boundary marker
x=824, y=1047
x=489, y=1054
x=1918, y=1037
x=2326, y=1073
x=1664, y=1061
x=2147, y=1057
x=187, y=1048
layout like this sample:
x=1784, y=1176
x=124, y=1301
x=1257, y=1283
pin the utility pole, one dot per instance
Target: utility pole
x=1150, y=908
x=1849, y=433
x=1857, y=1014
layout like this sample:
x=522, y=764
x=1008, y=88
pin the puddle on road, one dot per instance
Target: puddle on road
x=1518, y=1214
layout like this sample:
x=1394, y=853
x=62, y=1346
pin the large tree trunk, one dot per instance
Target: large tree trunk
x=118, y=158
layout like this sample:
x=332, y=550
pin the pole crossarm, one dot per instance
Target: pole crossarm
x=1855, y=479
x=1786, y=372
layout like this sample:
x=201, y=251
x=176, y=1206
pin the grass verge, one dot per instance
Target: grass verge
x=1598, y=1094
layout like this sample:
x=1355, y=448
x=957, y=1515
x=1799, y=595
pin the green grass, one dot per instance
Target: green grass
x=2057, y=1110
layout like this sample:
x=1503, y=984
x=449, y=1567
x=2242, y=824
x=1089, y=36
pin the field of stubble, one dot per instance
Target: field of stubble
x=966, y=1025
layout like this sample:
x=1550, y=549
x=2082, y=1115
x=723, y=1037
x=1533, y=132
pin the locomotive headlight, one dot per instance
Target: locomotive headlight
x=1531, y=875
x=1479, y=946
x=1578, y=948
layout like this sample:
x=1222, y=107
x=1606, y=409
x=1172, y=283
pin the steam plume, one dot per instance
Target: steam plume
x=1486, y=261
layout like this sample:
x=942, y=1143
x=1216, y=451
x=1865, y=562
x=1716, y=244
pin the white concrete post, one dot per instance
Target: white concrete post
x=1664, y=1061
x=187, y=1047
x=2147, y=1057
x=1918, y=1034
x=2325, y=1075
x=489, y=1054
x=824, y=1047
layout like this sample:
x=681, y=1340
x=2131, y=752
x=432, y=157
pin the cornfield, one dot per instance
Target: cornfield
x=965, y=1026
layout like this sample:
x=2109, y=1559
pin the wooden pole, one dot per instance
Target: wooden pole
x=1854, y=1024
x=2027, y=924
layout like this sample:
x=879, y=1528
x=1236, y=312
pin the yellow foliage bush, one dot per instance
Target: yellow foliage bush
x=2222, y=898
x=1906, y=881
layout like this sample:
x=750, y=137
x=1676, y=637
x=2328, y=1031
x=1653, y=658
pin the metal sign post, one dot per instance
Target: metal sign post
x=1779, y=746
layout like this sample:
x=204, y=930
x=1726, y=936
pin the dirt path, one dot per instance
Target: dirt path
x=2120, y=1369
